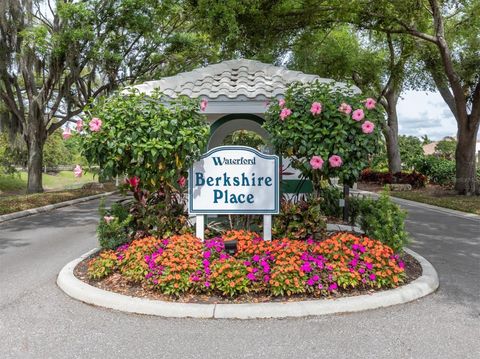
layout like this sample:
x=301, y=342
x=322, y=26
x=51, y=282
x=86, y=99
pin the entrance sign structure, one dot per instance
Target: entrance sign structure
x=234, y=180
x=238, y=93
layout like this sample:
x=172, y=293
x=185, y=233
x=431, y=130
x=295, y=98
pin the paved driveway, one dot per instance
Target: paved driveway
x=38, y=321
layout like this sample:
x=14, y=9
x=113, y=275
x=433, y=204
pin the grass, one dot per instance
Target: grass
x=17, y=203
x=16, y=184
x=470, y=204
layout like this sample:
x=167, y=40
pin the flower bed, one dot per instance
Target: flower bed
x=183, y=266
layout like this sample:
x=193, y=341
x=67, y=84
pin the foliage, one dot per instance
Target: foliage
x=141, y=136
x=245, y=138
x=102, y=266
x=282, y=267
x=415, y=179
x=330, y=205
x=383, y=220
x=299, y=218
x=438, y=170
x=55, y=152
x=446, y=149
x=302, y=134
x=411, y=150
x=75, y=51
x=152, y=214
x=112, y=231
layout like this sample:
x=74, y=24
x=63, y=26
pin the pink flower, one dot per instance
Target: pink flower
x=372, y=277
x=77, y=171
x=67, y=133
x=251, y=276
x=281, y=102
x=345, y=108
x=285, y=113
x=182, y=181
x=316, y=162
x=370, y=103
x=368, y=127
x=108, y=219
x=79, y=125
x=335, y=161
x=95, y=124
x=358, y=115
x=316, y=108
x=332, y=287
x=203, y=104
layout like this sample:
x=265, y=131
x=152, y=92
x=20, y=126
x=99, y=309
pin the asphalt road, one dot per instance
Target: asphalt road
x=37, y=320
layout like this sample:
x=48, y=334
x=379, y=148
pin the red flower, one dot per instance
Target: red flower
x=182, y=181
x=134, y=181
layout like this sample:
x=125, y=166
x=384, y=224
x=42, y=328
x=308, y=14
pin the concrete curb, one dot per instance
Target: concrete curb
x=32, y=211
x=84, y=292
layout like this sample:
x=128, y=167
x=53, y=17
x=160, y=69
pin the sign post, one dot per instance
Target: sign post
x=234, y=180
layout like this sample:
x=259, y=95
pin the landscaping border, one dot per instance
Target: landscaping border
x=77, y=289
x=49, y=207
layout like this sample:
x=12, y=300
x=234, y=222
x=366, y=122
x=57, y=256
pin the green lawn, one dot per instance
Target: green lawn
x=470, y=204
x=10, y=204
x=16, y=184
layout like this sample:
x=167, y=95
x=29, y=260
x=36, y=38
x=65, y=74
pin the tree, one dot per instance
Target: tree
x=448, y=28
x=56, y=56
x=447, y=31
x=411, y=150
x=446, y=148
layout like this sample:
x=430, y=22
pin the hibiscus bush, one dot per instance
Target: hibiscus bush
x=141, y=136
x=282, y=267
x=327, y=132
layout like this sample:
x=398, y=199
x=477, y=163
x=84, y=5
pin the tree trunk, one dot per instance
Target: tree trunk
x=465, y=159
x=390, y=131
x=35, y=137
x=35, y=162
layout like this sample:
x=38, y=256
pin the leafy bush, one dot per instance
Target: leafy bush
x=383, y=220
x=324, y=131
x=330, y=205
x=411, y=150
x=299, y=219
x=438, y=170
x=415, y=179
x=183, y=264
x=138, y=135
x=112, y=231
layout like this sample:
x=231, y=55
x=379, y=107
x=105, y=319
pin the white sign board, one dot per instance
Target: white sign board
x=234, y=180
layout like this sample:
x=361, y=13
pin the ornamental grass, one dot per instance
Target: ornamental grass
x=281, y=267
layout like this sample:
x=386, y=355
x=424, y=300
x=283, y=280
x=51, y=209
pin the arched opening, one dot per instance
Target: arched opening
x=234, y=127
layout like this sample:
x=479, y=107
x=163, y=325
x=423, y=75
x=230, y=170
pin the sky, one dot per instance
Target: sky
x=421, y=113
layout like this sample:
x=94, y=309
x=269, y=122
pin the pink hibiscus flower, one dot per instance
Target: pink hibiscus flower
x=281, y=103
x=335, y=161
x=370, y=103
x=368, y=127
x=316, y=108
x=358, y=115
x=203, y=104
x=285, y=113
x=345, y=108
x=95, y=124
x=67, y=133
x=78, y=171
x=134, y=181
x=316, y=162
x=79, y=125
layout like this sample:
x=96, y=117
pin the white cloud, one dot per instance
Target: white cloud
x=421, y=113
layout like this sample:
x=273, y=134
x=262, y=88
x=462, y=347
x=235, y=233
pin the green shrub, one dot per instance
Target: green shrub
x=112, y=231
x=300, y=219
x=383, y=220
x=330, y=205
x=439, y=170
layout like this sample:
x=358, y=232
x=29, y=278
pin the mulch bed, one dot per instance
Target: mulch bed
x=116, y=283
